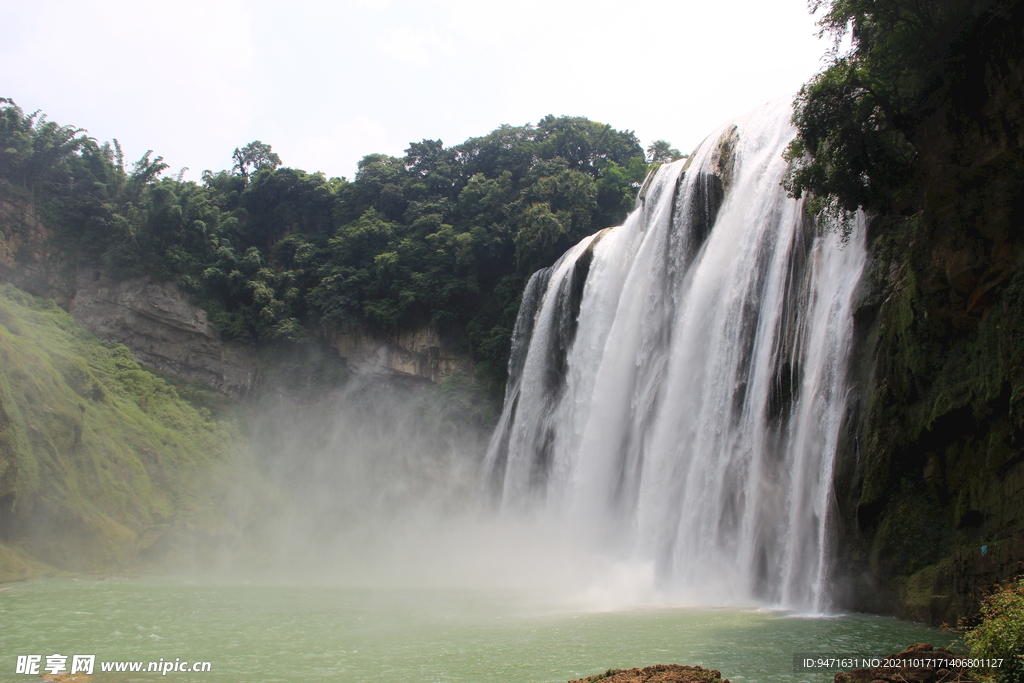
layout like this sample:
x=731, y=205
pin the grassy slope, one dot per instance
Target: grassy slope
x=102, y=465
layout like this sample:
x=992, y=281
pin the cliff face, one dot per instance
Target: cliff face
x=29, y=259
x=419, y=353
x=930, y=479
x=166, y=332
x=163, y=330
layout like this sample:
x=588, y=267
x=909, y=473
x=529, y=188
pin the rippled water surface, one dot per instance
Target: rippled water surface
x=281, y=632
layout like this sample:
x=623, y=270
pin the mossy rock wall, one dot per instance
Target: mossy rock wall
x=102, y=465
x=930, y=477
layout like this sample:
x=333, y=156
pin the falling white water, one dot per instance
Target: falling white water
x=677, y=383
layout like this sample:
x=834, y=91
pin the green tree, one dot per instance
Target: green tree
x=282, y=202
x=144, y=172
x=380, y=184
x=31, y=147
x=254, y=157
x=584, y=144
x=661, y=152
x=510, y=149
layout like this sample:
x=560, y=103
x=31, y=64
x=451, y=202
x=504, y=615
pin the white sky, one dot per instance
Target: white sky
x=326, y=83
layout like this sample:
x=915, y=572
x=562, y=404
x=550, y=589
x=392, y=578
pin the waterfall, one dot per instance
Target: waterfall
x=677, y=383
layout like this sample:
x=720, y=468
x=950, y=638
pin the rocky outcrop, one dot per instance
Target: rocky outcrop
x=419, y=353
x=659, y=673
x=29, y=259
x=163, y=330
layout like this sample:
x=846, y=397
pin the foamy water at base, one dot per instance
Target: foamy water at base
x=296, y=633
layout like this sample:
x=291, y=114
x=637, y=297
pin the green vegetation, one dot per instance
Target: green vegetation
x=444, y=235
x=102, y=465
x=661, y=152
x=999, y=634
x=861, y=120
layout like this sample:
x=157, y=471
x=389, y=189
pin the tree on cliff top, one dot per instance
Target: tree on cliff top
x=31, y=146
x=254, y=157
x=661, y=152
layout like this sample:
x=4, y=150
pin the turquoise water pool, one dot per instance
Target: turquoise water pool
x=275, y=631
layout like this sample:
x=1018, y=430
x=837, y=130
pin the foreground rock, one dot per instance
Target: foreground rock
x=659, y=673
x=917, y=664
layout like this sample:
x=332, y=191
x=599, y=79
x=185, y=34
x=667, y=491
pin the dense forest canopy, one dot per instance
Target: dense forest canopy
x=443, y=235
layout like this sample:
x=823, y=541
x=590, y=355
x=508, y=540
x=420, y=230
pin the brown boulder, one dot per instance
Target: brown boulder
x=659, y=673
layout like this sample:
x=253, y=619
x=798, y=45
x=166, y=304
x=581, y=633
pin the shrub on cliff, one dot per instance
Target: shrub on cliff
x=1000, y=634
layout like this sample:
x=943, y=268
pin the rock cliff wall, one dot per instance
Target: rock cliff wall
x=163, y=330
x=930, y=479
x=420, y=353
x=29, y=258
